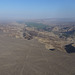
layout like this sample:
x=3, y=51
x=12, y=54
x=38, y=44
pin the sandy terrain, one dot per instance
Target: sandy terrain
x=24, y=57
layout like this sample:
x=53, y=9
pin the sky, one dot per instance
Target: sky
x=37, y=9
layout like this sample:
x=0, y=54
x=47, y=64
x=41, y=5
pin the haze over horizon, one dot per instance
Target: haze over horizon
x=36, y=9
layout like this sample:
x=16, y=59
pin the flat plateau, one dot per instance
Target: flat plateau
x=29, y=57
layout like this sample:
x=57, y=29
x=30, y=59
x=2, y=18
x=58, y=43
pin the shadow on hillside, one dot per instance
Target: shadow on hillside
x=69, y=48
x=52, y=49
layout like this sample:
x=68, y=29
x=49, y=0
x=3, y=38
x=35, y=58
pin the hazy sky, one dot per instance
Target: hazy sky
x=31, y=9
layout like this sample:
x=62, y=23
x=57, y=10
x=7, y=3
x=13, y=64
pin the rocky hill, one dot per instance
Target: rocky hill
x=53, y=37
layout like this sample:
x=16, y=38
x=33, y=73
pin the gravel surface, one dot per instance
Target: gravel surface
x=24, y=57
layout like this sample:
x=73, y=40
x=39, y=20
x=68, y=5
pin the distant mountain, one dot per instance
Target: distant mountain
x=52, y=21
x=60, y=19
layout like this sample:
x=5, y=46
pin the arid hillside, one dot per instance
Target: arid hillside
x=53, y=37
x=29, y=57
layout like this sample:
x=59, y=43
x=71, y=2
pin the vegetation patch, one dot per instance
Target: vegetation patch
x=36, y=25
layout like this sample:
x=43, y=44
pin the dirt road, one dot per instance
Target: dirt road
x=23, y=57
